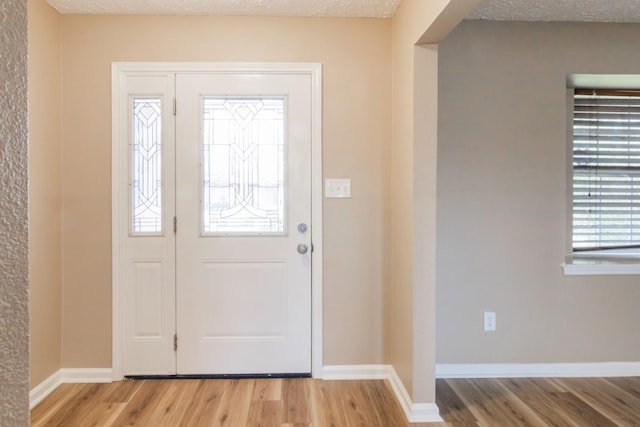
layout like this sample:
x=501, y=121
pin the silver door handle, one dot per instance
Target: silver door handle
x=302, y=248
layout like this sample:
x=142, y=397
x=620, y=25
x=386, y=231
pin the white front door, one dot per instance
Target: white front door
x=243, y=203
x=213, y=221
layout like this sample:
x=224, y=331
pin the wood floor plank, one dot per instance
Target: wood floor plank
x=491, y=404
x=108, y=404
x=265, y=413
x=121, y=391
x=205, y=403
x=516, y=406
x=555, y=406
x=142, y=403
x=629, y=384
x=355, y=404
x=77, y=407
x=267, y=389
x=610, y=400
x=265, y=409
x=582, y=413
x=235, y=403
x=102, y=414
x=326, y=408
x=452, y=408
x=295, y=401
x=53, y=403
x=174, y=403
x=379, y=396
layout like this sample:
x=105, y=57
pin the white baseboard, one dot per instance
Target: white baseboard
x=44, y=389
x=415, y=412
x=356, y=372
x=86, y=375
x=538, y=370
x=64, y=376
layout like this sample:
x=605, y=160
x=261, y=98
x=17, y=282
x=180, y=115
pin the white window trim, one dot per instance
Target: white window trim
x=615, y=262
x=603, y=262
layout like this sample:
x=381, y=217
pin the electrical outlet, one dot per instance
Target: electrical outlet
x=489, y=321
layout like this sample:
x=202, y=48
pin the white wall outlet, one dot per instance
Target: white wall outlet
x=337, y=188
x=489, y=321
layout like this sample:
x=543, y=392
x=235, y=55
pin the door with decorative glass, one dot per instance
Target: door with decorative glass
x=212, y=223
x=243, y=169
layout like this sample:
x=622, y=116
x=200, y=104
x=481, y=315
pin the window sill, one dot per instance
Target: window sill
x=594, y=263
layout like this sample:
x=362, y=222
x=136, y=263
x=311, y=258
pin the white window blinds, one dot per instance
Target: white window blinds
x=606, y=169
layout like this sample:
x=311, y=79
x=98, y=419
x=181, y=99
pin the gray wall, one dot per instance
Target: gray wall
x=14, y=271
x=502, y=198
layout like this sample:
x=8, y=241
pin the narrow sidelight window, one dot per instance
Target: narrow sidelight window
x=146, y=166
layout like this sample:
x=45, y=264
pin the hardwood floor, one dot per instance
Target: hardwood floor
x=307, y=402
x=260, y=402
x=577, y=402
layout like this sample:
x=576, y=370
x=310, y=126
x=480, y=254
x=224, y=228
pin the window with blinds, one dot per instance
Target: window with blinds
x=606, y=169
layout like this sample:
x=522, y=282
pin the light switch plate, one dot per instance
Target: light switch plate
x=337, y=188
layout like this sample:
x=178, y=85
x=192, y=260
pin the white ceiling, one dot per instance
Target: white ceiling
x=519, y=10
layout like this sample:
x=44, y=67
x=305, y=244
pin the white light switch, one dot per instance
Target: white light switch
x=337, y=188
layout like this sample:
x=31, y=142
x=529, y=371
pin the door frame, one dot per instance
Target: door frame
x=119, y=72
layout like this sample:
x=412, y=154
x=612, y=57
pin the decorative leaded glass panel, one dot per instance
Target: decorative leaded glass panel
x=243, y=166
x=146, y=174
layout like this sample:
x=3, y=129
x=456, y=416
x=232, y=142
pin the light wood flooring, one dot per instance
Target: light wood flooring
x=308, y=402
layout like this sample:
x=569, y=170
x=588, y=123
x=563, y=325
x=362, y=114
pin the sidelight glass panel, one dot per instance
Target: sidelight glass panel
x=243, y=167
x=146, y=163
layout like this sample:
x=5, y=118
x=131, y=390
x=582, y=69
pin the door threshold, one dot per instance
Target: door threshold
x=217, y=376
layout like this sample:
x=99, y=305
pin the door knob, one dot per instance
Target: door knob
x=302, y=248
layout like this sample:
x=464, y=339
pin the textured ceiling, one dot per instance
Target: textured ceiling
x=328, y=8
x=558, y=10
x=518, y=10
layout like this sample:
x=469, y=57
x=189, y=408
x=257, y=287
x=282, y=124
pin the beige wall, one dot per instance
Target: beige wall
x=399, y=345
x=410, y=344
x=356, y=57
x=502, y=198
x=45, y=187
x=425, y=129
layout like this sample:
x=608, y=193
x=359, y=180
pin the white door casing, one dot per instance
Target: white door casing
x=134, y=263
